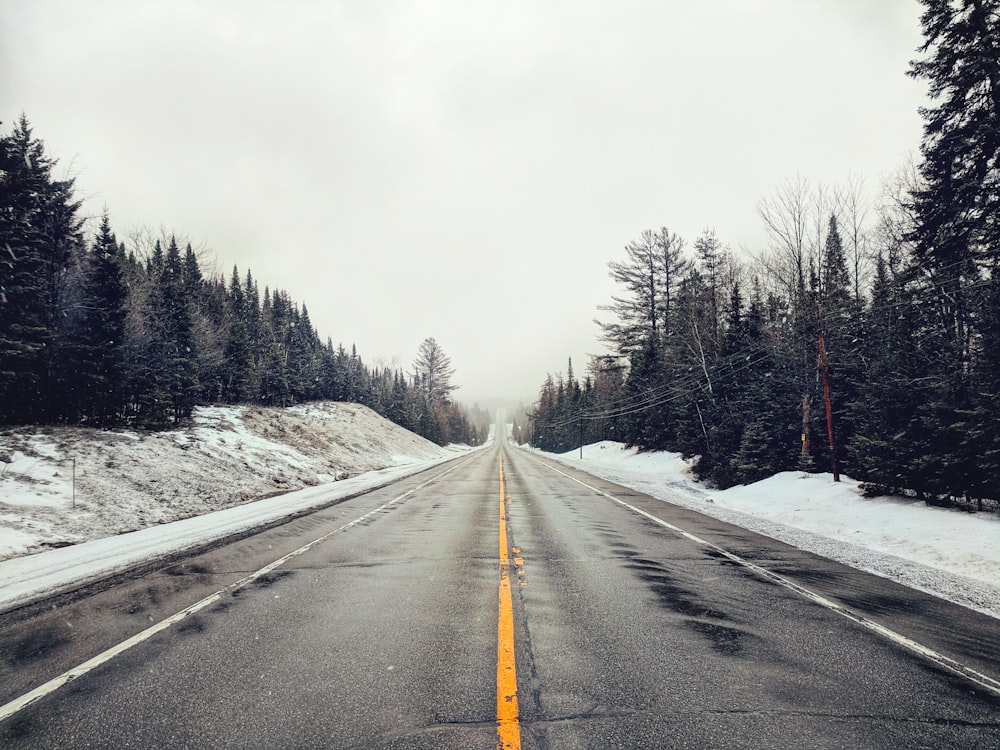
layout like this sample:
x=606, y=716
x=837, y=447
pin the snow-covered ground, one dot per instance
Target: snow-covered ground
x=950, y=553
x=145, y=496
x=126, y=481
x=138, y=497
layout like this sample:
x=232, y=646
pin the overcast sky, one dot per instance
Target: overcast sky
x=455, y=168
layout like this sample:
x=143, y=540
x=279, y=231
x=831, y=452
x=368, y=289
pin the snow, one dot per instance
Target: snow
x=145, y=496
x=141, y=497
x=950, y=553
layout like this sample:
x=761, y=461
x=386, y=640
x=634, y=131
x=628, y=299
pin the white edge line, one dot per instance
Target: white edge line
x=47, y=688
x=984, y=681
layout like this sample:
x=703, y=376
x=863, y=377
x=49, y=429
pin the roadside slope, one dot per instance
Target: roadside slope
x=125, y=481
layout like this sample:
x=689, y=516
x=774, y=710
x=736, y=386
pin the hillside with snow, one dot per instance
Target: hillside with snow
x=126, y=481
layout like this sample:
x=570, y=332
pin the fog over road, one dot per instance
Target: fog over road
x=401, y=618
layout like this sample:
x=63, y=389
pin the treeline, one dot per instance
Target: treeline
x=866, y=339
x=93, y=332
x=794, y=362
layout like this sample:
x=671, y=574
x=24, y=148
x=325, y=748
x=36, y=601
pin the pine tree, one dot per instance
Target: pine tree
x=573, y=391
x=691, y=362
x=357, y=378
x=305, y=355
x=637, y=312
x=958, y=206
x=735, y=350
x=835, y=282
x=166, y=375
x=238, y=378
x=210, y=327
x=646, y=332
x=839, y=328
x=673, y=267
x=711, y=258
x=39, y=233
x=646, y=423
x=956, y=236
x=544, y=418
x=433, y=367
x=650, y=274
x=97, y=375
x=608, y=376
x=983, y=435
x=881, y=448
x=270, y=355
x=180, y=363
x=396, y=410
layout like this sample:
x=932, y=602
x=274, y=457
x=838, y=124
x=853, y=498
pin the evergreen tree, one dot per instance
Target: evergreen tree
x=650, y=274
x=210, y=327
x=672, y=267
x=39, y=233
x=167, y=378
x=835, y=282
x=191, y=273
x=885, y=411
x=839, y=330
x=637, y=311
x=96, y=373
x=357, y=378
x=545, y=417
x=433, y=368
x=957, y=206
x=396, y=410
x=180, y=360
x=646, y=422
x=574, y=394
x=270, y=354
x=711, y=258
x=982, y=439
x=305, y=355
x=238, y=378
x=692, y=360
x=956, y=234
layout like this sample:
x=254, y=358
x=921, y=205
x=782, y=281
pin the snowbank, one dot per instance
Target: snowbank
x=30, y=577
x=125, y=481
x=140, y=498
x=950, y=553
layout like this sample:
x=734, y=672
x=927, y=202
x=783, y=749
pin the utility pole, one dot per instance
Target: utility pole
x=829, y=407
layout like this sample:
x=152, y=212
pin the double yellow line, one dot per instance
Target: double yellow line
x=508, y=723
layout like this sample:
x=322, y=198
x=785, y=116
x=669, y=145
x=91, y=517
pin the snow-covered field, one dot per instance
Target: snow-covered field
x=951, y=553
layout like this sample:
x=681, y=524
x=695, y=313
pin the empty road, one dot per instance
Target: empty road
x=500, y=600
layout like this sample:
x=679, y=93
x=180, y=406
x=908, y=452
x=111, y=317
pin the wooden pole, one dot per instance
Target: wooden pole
x=829, y=408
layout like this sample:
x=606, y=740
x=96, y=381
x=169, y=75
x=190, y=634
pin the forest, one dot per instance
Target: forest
x=865, y=339
x=100, y=332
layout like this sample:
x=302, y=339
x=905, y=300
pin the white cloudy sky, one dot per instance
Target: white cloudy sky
x=457, y=168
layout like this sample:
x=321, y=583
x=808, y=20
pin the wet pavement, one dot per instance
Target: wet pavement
x=627, y=634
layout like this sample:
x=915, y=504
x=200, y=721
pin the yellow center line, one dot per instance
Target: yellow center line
x=508, y=724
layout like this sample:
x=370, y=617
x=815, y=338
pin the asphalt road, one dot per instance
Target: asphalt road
x=631, y=623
